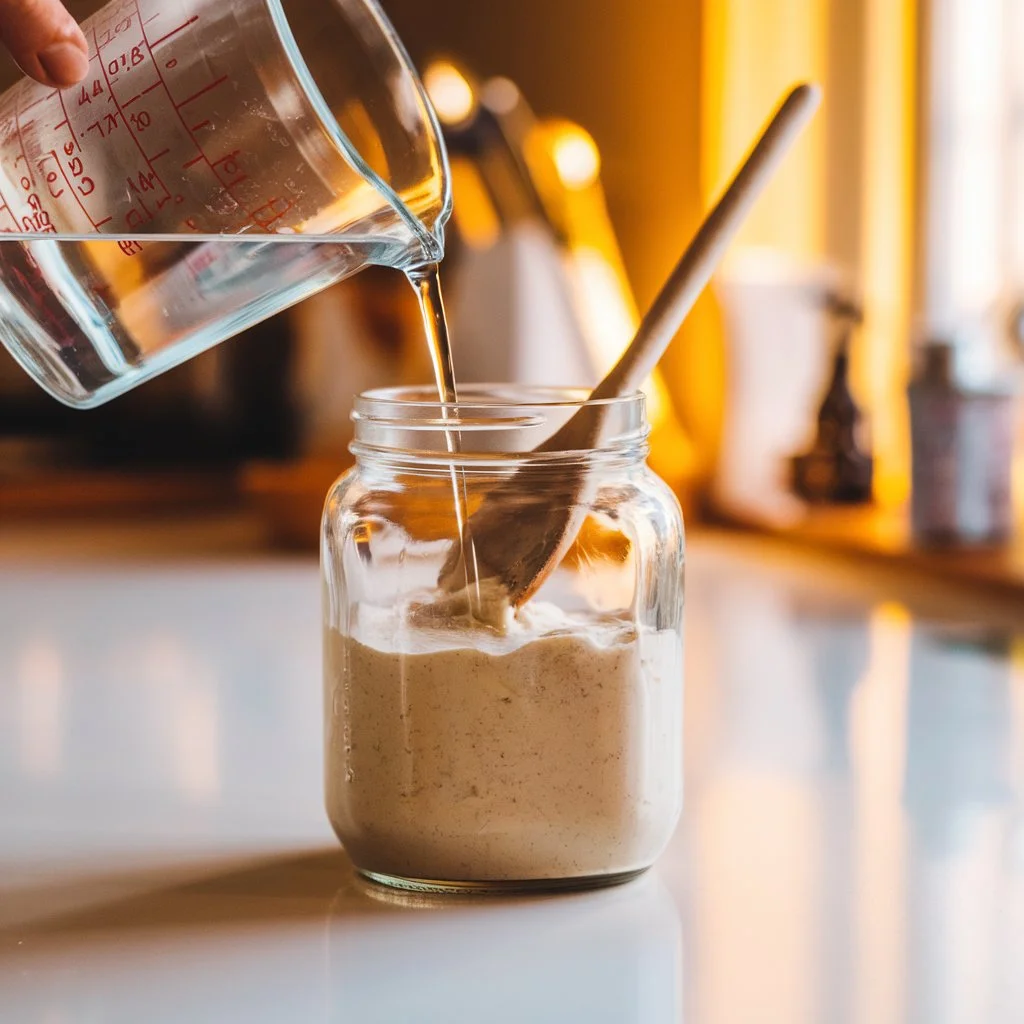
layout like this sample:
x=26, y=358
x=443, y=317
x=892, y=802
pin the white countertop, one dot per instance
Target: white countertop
x=852, y=847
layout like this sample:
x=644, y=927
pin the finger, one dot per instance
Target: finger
x=45, y=41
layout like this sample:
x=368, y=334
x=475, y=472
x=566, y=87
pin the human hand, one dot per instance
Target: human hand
x=45, y=41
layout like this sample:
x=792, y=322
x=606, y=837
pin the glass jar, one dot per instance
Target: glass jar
x=529, y=748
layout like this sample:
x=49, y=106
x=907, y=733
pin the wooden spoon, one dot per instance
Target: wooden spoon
x=527, y=523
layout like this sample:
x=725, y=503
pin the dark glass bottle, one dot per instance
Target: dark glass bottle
x=836, y=470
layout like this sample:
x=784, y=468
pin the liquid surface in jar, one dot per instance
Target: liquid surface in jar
x=548, y=750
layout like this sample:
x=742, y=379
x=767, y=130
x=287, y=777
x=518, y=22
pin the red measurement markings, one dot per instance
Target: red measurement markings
x=269, y=214
x=39, y=221
x=191, y=129
x=138, y=145
x=163, y=39
x=145, y=92
x=80, y=183
x=202, y=92
x=110, y=14
x=67, y=123
x=142, y=121
x=104, y=126
x=111, y=11
x=52, y=177
x=127, y=61
x=21, y=142
x=64, y=108
x=42, y=99
x=228, y=167
x=75, y=188
x=90, y=93
x=120, y=27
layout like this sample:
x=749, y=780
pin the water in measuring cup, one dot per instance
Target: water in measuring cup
x=177, y=131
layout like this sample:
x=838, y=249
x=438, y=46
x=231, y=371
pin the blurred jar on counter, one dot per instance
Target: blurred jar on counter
x=962, y=442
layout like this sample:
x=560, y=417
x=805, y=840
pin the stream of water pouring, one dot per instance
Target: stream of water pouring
x=427, y=283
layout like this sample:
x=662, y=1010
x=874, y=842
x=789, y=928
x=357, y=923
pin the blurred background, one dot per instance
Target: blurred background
x=850, y=379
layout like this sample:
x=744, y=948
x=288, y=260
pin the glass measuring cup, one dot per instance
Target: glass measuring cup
x=223, y=160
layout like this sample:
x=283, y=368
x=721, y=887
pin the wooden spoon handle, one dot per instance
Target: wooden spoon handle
x=705, y=252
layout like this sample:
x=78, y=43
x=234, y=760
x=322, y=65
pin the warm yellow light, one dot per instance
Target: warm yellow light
x=474, y=214
x=576, y=158
x=501, y=95
x=450, y=92
x=1017, y=657
x=888, y=177
x=610, y=320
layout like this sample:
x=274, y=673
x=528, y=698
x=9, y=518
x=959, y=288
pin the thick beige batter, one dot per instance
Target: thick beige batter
x=552, y=750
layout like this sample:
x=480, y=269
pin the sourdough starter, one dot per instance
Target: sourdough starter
x=547, y=748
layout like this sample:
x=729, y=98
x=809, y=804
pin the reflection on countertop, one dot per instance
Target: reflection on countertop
x=852, y=846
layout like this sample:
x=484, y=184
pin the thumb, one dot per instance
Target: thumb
x=45, y=41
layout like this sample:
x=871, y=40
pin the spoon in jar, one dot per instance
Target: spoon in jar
x=526, y=524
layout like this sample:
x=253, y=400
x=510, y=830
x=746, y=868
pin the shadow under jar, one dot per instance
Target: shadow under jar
x=470, y=745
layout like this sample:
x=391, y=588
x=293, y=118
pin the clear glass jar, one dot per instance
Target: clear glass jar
x=543, y=747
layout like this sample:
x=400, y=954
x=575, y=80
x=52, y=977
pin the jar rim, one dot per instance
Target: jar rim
x=491, y=421
x=489, y=396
